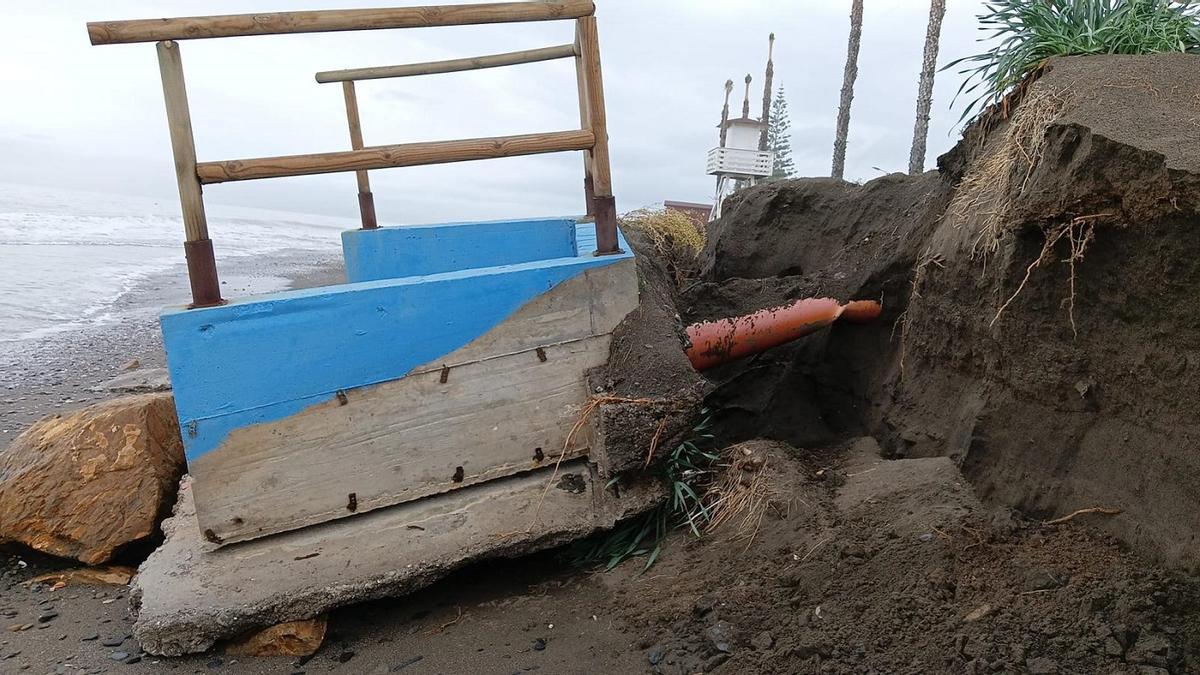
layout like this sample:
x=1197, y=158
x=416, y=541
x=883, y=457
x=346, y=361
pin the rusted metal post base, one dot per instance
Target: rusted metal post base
x=366, y=207
x=202, y=272
x=589, y=195
x=606, y=226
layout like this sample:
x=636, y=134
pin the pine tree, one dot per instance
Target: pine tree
x=779, y=137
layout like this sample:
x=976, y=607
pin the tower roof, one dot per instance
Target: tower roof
x=743, y=122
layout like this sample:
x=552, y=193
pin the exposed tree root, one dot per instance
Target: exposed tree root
x=1108, y=511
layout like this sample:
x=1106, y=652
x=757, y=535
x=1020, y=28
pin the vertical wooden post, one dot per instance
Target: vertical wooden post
x=589, y=188
x=366, y=200
x=605, y=204
x=198, y=248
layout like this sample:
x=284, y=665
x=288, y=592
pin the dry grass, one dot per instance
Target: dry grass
x=675, y=237
x=984, y=197
x=742, y=494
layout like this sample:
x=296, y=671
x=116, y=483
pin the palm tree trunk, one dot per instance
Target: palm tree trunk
x=916, y=159
x=843, y=118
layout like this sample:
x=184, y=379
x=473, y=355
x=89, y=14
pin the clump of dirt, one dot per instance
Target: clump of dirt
x=652, y=394
x=867, y=565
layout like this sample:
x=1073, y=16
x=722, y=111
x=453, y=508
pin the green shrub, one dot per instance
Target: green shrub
x=1030, y=31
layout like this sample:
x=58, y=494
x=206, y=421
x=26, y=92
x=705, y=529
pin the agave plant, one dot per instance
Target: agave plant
x=1027, y=32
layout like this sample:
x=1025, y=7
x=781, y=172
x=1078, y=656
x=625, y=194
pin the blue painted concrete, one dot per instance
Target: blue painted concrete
x=265, y=358
x=414, y=250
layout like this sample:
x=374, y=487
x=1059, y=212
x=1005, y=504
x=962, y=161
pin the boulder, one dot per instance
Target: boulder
x=88, y=483
x=294, y=638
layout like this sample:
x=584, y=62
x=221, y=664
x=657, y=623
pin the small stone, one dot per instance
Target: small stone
x=978, y=613
x=294, y=638
x=47, y=616
x=763, y=641
x=721, y=635
x=118, y=656
x=215, y=663
x=90, y=637
x=113, y=642
x=655, y=655
x=136, y=658
x=928, y=536
x=345, y=656
x=539, y=644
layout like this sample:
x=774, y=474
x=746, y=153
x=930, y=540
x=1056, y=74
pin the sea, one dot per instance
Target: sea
x=68, y=257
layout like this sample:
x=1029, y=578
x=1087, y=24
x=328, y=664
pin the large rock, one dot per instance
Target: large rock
x=86, y=484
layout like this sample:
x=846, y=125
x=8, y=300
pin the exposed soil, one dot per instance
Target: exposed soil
x=864, y=565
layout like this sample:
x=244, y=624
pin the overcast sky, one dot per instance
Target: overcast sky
x=92, y=118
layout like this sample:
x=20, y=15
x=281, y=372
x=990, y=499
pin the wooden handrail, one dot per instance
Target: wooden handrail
x=279, y=23
x=450, y=66
x=387, y=156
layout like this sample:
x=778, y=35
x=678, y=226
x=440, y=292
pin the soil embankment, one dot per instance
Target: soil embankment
x=1040, y=322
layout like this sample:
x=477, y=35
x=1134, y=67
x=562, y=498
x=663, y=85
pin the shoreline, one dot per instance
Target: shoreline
x=55, y=372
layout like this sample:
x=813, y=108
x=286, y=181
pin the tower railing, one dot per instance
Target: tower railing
x=591, y=138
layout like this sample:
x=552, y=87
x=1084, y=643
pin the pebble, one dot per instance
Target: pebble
x=89, y=638
x=118, y=656
x=721, y=635
x=47, y=616
x=539, y=644
x=113, y=642
x=656, y=654
x=763, y=641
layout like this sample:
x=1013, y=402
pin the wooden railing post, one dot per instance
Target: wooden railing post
x=605, y=204
x=366, y=200
x=589, y=188
x=198, y=248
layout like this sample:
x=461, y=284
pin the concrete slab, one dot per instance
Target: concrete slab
x=189, y=594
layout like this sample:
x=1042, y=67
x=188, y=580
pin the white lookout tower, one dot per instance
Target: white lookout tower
x=742, y=158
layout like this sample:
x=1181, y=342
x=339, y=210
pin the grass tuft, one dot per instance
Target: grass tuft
x=675, y=237
x=688, y=472
x=1027, y=32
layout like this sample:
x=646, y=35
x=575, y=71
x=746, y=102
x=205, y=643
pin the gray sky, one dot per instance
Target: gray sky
x=92, y=118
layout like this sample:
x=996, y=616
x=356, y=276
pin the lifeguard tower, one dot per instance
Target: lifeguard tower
x=742, y=158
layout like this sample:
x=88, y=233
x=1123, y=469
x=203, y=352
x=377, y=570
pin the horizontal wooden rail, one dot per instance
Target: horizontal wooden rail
x=387, y=156
x=451, y=66
x=234, y=25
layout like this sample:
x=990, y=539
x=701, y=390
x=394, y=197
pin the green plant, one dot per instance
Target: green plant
x=1027, y=32
x=687, y=472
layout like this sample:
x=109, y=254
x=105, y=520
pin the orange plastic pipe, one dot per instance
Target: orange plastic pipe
x=717, y=342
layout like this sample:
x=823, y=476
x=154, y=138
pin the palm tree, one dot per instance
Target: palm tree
x=843, y=118
x=916, y=158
